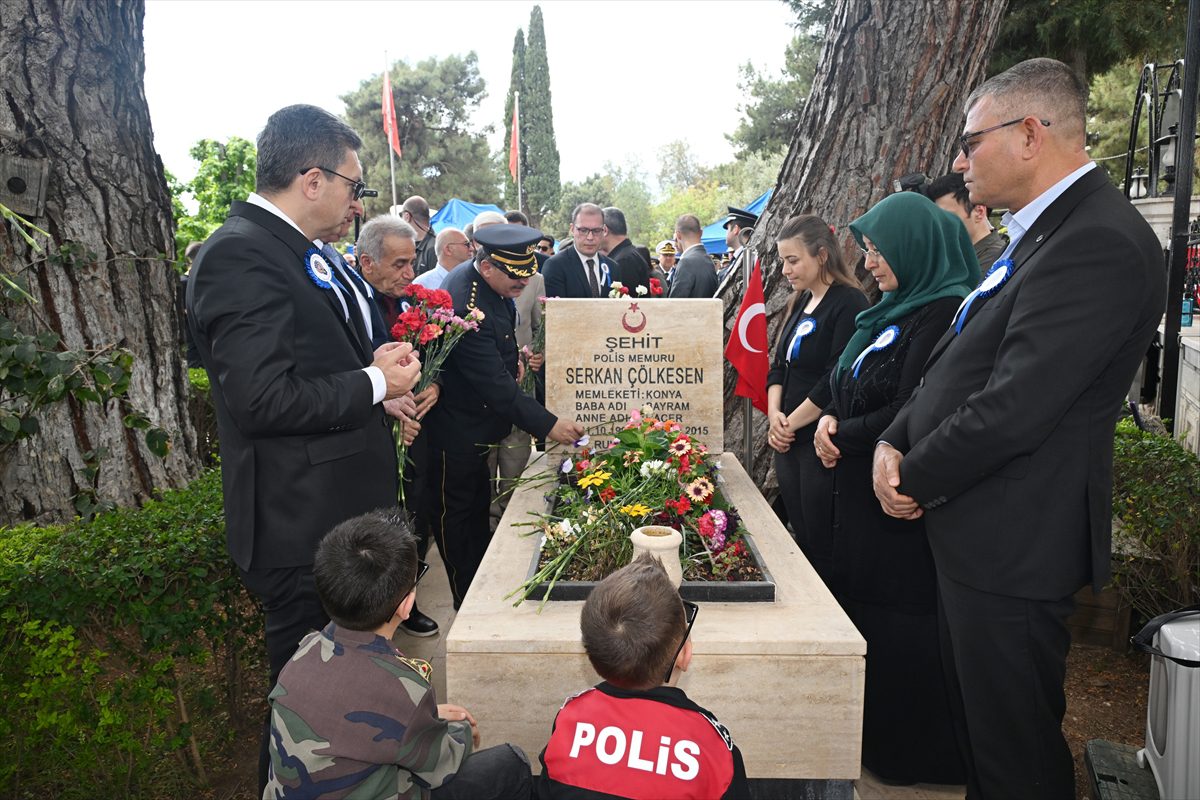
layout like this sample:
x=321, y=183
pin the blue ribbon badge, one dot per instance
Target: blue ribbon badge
x=806, y=327
x=997, y=276
x=882, y=341
x=318, y=268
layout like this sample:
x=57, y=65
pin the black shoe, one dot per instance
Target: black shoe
x=418, y=624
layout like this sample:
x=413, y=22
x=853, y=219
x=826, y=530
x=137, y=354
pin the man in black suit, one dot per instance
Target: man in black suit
x=632, y=270
x=305, y=441
x=694, y=275
x=482, y=399
x=581, y=271
x=1007, y=445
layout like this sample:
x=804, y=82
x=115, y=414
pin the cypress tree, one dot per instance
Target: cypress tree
x=515, y=84
x=539, y=152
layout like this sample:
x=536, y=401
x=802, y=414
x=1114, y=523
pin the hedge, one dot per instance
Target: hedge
x=117, y=634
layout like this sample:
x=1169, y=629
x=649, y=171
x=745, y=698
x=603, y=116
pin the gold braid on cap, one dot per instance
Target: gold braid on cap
x=512, y=264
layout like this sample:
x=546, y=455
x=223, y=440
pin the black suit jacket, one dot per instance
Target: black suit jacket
x=481, y=400
x=632, y=270
x=1009, y=439
x=566, y=277
x=694, y=274
x=302, y=446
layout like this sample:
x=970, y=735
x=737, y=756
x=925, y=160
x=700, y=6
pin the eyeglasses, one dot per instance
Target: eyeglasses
x=358, y=188
x=544, y=248
x=464, y=243
x=422, y=568
x=964, y=141
x=870, y=253
x=587, y=233
x=690, y=610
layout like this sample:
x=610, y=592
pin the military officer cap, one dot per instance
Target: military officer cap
x=665, y=248
x=510, y=248
x=740, y=217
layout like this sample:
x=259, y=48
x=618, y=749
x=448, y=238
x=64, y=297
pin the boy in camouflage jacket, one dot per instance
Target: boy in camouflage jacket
x=350, y=715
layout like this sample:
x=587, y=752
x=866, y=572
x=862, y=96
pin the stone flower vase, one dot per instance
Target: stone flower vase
x=663, y=544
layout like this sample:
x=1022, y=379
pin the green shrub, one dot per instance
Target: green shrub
x=1156, y=501
x=112, y=630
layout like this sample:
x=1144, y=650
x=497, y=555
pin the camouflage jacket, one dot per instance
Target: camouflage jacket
x=351, y=716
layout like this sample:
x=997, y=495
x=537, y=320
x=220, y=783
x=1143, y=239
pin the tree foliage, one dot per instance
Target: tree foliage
x=1090, y=35
x=539, y=149
x=444, y=156
x=774, y=103
x=226, y=173
x=515, y=82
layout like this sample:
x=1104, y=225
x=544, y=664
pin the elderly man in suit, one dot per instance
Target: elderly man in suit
x=695, y=275
x=482, y=400
x=299, y=392
x=581, y=271
x=1006, y=447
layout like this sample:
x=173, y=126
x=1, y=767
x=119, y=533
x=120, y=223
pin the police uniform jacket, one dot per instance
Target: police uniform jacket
x=481, y=400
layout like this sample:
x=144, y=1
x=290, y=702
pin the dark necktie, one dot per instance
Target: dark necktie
x=346, y=289
x=592, y=279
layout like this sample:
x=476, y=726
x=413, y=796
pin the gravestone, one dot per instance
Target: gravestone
x=605, y=358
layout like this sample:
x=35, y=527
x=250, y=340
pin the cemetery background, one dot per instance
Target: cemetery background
x=102, y=659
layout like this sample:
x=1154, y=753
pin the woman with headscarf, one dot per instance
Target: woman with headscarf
x=882, y=572
x=819, y=320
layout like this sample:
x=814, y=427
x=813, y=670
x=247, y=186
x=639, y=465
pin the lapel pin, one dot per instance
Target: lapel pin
x=1040, y=237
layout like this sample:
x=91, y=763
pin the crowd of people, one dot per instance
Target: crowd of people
x=943, y=446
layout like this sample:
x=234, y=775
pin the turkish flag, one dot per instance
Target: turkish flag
x=514, y=148
x=747, y=348
x=389, y=115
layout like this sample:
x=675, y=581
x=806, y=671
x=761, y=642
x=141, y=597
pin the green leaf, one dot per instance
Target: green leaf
x=159, y=442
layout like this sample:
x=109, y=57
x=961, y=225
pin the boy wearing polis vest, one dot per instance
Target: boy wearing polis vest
x=636, y=735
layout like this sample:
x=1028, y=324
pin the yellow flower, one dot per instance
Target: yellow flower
x=635, y=510
x=597, y=478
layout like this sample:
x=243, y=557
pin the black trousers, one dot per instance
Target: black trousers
x=292, y=609
x=1006, y=660
x=458, y=498
x=415, y=487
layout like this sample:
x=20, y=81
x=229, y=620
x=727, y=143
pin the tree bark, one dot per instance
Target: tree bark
x=71, y=91
x=887, y=100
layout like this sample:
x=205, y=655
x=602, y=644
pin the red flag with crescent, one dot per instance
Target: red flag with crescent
x=389, y=115
x=747, y=347
x=515, y=147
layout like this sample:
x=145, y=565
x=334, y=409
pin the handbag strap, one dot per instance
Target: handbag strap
x=1144, y=639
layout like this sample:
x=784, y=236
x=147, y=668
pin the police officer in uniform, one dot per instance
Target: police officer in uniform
x=481, y=400
x=739, y=220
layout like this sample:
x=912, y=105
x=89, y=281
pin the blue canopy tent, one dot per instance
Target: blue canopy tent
x=713, y=236
x=458, y=213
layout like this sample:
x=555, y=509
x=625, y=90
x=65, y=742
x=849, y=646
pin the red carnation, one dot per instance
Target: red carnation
x=655, y=287
x=440, y=298
x=413, y=319
x=607, y=493
x=429, y=333
x=417, y=292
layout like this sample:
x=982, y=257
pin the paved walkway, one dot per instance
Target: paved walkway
x=433, y=598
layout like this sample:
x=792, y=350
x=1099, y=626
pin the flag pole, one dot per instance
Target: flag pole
x=517, y=116
x=747, y=407
x=391, y=152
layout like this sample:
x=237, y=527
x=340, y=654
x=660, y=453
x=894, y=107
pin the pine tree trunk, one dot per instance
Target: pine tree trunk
x=886, y=101
x=71, y=91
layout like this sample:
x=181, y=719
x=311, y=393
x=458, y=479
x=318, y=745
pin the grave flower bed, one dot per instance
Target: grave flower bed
x=650, y=473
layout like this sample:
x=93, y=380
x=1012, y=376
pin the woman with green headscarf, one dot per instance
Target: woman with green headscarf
x=882, y=571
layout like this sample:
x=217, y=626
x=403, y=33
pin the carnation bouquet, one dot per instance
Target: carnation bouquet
x=430, y=325
x=535, y=346
x=650, y=473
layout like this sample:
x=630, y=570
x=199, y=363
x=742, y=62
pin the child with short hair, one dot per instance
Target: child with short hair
x=635, y=734
x=350, y=715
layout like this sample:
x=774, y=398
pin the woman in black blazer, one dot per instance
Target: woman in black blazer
x=818, y=322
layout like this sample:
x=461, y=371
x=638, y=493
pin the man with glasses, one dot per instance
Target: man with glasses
x=1006, y=447
x=453, y=248
x=299, y=392
x=695, y=275
x=415, y=212
x=582, y=271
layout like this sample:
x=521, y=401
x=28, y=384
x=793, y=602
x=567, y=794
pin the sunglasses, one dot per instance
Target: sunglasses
x=964, y=141
x=690, y=610
x=357, y=187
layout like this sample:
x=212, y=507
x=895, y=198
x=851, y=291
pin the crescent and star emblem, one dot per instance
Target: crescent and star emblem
x=633, y=309
x=743, y=323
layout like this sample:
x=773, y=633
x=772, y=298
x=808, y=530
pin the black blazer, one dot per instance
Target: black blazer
x=481, y=400
x=1009, y=439
x=565, y=276
x=302, y=446
x=694, y=275
x=632, y=269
